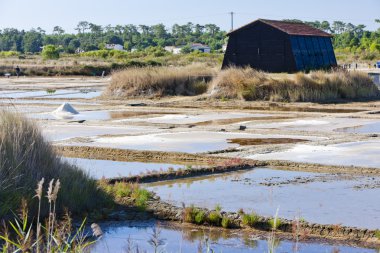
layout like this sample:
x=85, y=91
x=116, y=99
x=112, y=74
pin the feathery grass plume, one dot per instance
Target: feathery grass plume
x=39, y=189
x=59, y=238
x=38, y=195
x=50, y=191
x=155, y=240
x=57, y=186
x=50, y=220
x=96, y=230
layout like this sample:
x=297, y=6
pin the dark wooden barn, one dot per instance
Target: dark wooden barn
x=279, y=46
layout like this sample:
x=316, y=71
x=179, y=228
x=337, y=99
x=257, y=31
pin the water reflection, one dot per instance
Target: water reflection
x=299, y=194
x=120, y=237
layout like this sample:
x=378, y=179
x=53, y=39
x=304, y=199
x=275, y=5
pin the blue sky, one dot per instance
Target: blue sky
x=25, y=14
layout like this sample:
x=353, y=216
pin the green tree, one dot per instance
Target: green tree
x=50, y=52
x=375, y=47
x=58, y=30
x=186, y=49
x=82, y=26
x=32, y=41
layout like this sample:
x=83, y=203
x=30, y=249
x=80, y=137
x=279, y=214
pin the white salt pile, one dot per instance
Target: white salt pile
x=65, y=111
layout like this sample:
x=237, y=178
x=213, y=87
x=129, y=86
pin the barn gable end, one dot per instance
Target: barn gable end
x=276, y=46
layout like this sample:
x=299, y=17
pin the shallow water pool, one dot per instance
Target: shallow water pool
x=111, y=169
x=118, y=237
x=361, y=153
x=319, y=198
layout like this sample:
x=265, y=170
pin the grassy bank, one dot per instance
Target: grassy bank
x=249, y=84
x=160, y=81
x=93, y=63
x=26, y=158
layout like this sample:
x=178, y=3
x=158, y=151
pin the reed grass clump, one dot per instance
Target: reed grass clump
x=200, y=217
x=25, y=158
x=250, y=219
x=189, y=214
x=194, y=215
x=274, y=223
x=377, y=234
x=160, y=81
x=226, y=222
x=214, y=218
x=318, y=86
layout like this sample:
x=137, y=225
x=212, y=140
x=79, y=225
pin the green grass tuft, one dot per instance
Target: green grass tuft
x=200, y=217
x=226, y=222
x=274, y=225
x=250, y=219
x=214, y=218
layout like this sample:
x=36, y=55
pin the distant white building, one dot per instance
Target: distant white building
x=194, y=47
x=224, y=48
x=79, y=50
x=200, y=47
x=173, y=49
x=114, y=47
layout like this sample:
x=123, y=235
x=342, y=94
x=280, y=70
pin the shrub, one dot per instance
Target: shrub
x=50, y=52
x=9, y=53
x=226, y=222
x=25, y=158
x=159, y=81
x=250, y=219
x=214, y=218
x=249, y=84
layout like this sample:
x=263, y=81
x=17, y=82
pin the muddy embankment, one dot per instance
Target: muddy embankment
x=124, y=155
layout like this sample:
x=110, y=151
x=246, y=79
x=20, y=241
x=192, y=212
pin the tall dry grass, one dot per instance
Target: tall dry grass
x=160, y=81
x=319, y=86
x=25, y=158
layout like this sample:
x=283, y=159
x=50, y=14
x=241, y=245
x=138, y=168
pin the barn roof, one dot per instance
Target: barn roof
x=290, y=28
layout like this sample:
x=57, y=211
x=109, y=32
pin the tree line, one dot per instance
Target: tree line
x=89, y=36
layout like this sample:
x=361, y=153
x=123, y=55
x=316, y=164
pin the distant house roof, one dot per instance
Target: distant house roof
x=290, y=28
x=199, y=45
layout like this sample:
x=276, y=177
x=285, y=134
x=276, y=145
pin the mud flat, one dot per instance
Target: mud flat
x=189, y=239
x=52, y=93
x=60, y=132
x=122, y=136
x=201, y=118
x=320, y=124
x=364, y=154
x=189, y=142
x=125, y=155
x=351, y=201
